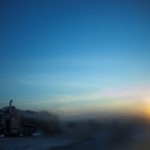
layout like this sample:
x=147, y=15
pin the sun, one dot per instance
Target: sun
x=146, y=107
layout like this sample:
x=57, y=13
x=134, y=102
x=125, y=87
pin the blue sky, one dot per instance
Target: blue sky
x=58, y=54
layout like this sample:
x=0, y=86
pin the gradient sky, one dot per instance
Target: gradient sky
x=75, y=55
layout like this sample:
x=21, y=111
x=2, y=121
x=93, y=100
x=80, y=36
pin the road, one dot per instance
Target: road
x=104, y=140
x=108, y=140
x=33, y=143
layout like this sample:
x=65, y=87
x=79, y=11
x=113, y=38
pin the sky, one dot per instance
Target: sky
x=75, y=56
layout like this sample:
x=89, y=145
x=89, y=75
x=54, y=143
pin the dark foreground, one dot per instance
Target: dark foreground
x=105, y=140
x=124, y=136
x=138, y=140
x=32, y=143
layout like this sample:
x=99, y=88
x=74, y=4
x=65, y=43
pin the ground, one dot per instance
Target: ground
x=125, y=138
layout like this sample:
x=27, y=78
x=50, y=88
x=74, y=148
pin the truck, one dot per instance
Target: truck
x=15, y=122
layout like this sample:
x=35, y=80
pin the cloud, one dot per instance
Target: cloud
x=129, y=99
